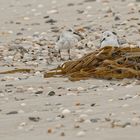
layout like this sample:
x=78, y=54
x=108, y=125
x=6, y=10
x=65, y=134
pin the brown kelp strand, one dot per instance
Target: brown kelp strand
x=106, y=63
x=16, y=71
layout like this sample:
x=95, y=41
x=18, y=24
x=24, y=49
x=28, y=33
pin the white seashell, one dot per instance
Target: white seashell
x=23, y=124
x=89, y=7
x=38, y=73
x=30, y=89
x=37, y=14
x=129, y=86
x=52, y=12
x=136, y=120
x=33, y=10
x=21, y=111
x=87, y=121
x=20, y=127
x=110, y=100
x=110, y=89
x=131, y=5
x=54, y=2
x=66, y=112
x=10, y=32
x=83, y=117
x=8, y=58
x=125, y=105
x=40, y=6
x=10, y=78
x=80, y=89
x=89, y=111
x=97, y=128
x=2, y=95
x=23, y=104
x=136, y=96
x=89, y=16
x=26, y=18
x=81, y=133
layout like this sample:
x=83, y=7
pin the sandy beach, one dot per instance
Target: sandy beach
x=36, y=108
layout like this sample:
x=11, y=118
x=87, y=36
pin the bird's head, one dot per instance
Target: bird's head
x=109, y=38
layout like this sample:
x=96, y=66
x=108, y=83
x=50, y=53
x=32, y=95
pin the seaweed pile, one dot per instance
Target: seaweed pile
x=105, y=63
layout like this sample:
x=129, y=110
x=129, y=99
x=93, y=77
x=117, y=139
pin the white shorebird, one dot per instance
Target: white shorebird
x=109, y=39
x=67, y=40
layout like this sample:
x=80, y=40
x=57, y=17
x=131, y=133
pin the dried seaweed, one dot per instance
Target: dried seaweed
x=16, y=71
x=106, y=63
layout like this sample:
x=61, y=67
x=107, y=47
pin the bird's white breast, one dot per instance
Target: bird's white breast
x=66, y=41
x=110, y=42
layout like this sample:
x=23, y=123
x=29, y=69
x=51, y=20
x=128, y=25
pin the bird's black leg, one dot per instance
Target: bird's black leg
x=60, y=55
x=69, y=54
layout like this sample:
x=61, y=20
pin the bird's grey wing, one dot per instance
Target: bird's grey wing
x=121, y=41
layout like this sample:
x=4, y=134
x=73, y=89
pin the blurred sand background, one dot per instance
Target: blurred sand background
x=90, y=109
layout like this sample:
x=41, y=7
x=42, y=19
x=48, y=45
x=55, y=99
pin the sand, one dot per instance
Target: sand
x=35, y=108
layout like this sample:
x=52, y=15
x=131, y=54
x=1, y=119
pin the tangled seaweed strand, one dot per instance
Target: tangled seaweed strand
x=106, y=63
x=16, y=71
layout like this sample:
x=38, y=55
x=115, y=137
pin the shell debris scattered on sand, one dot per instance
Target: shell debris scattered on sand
x=36, y=108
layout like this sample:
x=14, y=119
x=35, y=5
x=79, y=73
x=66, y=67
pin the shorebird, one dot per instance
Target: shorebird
x=109, y=39
x=67, y=40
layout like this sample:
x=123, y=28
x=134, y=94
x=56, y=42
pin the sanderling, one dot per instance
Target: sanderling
x=67, y=40
x=109, y=39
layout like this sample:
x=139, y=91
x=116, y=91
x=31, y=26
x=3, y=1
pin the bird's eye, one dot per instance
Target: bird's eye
x=108, y=35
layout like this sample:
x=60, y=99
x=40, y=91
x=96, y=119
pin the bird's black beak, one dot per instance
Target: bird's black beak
x=102, y=40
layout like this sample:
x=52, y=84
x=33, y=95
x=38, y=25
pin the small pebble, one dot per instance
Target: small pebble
x=34, y=119
x=39, y=92
x=51, y=93
x=76, y=126
x=95, y=120
x=117, y=18
x=93, y=104
x=12, y=112
x=49, y=130
x=62, y=134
